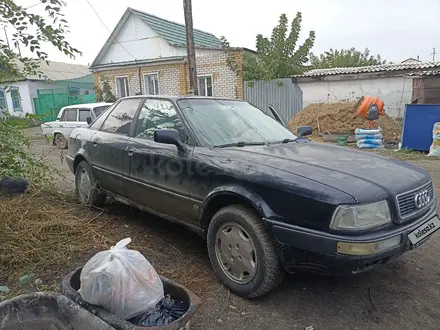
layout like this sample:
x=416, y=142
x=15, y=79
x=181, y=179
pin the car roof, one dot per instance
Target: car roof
x=181, y=97
x=87, y=105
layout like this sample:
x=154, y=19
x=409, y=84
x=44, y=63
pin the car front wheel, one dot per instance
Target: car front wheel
x=60, y=141
x=86, y=188
x=242, y=253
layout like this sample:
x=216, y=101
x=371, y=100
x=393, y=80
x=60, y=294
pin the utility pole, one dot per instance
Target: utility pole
x=433, y=54
x=191, y=54
x=6, y=36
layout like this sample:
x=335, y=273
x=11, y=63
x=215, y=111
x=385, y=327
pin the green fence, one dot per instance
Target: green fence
x=49, y=101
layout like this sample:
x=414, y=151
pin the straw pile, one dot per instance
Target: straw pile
x=340, y=117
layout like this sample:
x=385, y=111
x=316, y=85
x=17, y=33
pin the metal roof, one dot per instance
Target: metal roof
x=175, y=33
x=58, y=71
x=408, y=66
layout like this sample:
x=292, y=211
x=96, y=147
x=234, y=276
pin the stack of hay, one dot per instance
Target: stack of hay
x=369, y=138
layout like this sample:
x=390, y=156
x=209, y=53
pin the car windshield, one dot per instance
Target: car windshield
x=223, y=122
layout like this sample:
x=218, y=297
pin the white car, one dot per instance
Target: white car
x=69, y=118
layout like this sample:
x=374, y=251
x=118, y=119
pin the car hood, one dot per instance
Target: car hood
x=364, y=175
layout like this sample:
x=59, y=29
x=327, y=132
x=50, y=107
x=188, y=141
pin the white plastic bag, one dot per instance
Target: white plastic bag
x=122, y=281
x=434, y=150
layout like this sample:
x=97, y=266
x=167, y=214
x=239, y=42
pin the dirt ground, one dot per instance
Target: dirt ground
x=402, y=295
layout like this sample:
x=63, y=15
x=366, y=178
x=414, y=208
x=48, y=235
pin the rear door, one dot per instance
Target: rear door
x=107, y=148
x=83, y=113
x=68, y=121
x=159, y=175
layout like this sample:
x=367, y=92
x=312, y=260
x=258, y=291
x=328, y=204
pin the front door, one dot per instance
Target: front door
x=107, y=149
x=159, y=174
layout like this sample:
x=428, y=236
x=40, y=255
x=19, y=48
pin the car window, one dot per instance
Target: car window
x=83, y=114
x=97, y=123
x=119, y=120
x=99, y=110
x=70, y=115
x=156, y=114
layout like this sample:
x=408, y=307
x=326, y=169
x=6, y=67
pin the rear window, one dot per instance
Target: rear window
x=69, y=115
x=83, y=114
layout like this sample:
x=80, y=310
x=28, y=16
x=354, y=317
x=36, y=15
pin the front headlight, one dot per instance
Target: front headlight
x=358, y=217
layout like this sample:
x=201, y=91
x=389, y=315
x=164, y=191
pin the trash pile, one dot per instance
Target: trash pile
x=332, y=118
x=369, y=138
x=125, y=283
x=434, y=150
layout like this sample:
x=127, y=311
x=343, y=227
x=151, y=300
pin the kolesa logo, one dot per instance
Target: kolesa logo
x=425, y=230
x=422, y=198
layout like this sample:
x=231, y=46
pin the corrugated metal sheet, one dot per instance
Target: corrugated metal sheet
x=283, y=94
x=428, y=66
x=58, y=71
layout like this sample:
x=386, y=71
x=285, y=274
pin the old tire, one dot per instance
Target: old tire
x=86, y=186
x=60, y=141
x=233, y=233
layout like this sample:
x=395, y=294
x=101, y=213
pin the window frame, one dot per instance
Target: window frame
x=206, y=85
x=115, y=106
x=3, y=90
x=145, y=85
x=20, y=108
x=127, y=86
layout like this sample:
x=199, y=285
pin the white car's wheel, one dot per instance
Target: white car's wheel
x=60, y=141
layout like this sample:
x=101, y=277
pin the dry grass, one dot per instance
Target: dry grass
x=50, y=235
x=41, y=233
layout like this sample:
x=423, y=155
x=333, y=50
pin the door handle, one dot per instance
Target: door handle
x=130, y=151
x=78, y=125
x=95, y=143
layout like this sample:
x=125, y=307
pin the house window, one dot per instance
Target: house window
x=205, y=85
x=16, y=99
x=3, y=103
x=151, y=82
x=122, y=87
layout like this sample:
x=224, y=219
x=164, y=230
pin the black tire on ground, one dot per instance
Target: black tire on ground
x=94, y=196
x=60, y=141
x=269, y=271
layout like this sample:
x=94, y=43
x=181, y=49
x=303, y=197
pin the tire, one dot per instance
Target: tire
x=267, y=271
x=60, y=141
x=86, y=191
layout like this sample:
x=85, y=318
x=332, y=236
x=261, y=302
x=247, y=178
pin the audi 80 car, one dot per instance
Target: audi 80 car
x=265, y=199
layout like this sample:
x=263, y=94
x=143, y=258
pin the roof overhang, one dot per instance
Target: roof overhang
x=150, y=62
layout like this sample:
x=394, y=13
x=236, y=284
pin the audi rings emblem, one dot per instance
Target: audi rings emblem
x=422, y=199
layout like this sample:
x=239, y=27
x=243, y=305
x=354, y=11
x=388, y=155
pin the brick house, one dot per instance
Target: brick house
x=146, y=54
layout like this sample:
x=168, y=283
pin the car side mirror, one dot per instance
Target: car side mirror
x=89, y=120
x=169, y=136
x=304, y=131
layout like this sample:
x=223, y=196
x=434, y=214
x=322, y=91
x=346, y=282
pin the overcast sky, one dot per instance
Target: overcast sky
x=395, y=29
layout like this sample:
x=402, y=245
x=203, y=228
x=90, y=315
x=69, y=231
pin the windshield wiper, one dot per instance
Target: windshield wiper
x=240, y=144
x=286, y=140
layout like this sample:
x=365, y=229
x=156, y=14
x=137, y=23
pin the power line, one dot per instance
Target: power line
x=111, y=32
x=32, y=6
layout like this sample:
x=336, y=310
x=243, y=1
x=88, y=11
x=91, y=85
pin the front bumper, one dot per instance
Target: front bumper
x=302, y=249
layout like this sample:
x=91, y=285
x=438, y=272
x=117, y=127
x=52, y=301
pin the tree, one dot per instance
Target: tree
x=279, y=56
x=345, y=58
x=30, y=31
x=107, y=93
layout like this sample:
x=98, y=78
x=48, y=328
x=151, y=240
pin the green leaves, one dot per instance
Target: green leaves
x=345, y=58
x=21, y=21
x=279, y=56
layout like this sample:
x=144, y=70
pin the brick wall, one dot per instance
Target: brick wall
x=174, y=80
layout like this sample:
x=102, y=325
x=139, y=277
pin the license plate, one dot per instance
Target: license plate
x=424, y=230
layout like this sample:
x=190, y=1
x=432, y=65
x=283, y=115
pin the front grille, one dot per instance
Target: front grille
x=406, y=201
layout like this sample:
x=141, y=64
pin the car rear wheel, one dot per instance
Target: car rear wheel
x=86, y=188
x=242, y=253
x=60, y=141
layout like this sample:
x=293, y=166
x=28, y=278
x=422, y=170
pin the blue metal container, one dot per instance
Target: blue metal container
x=417, y=125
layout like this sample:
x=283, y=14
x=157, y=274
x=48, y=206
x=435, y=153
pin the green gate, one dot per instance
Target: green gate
x=49, y=101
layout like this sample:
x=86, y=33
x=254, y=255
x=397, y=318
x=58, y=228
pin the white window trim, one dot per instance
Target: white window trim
x=116, y=85
x=206, y=85
x=158, y=83
x=20, y=109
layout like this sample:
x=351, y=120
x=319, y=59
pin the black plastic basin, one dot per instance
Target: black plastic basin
x=71, y=284
x=47, y=311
